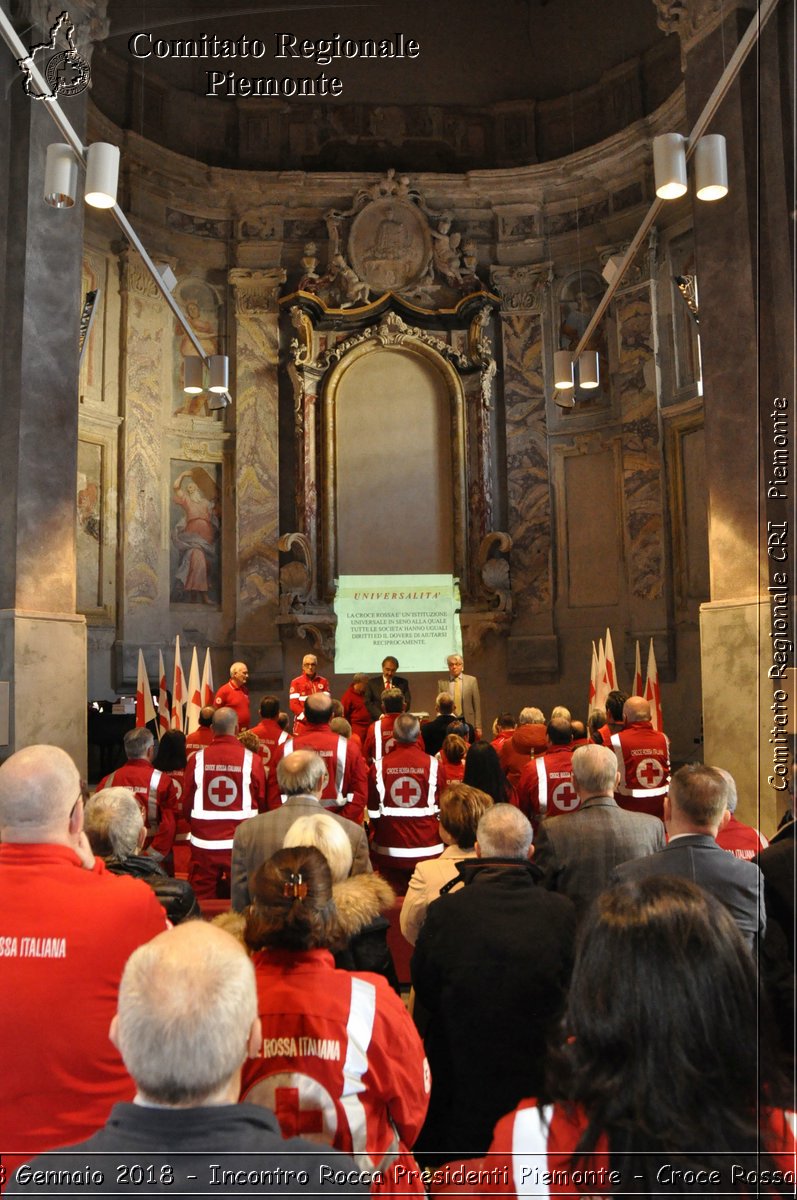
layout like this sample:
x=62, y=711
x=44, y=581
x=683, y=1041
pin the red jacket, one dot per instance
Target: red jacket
x=224, y=785
x=346, y=789
x=341, y=1061
x=65, y=935
x=157, y=798
x=301, y=687
x=356, y=712
x=742, y=840
x=643, y=760
x=379, y=739
x=402, y=807
x=202, y=736
x=232, y=695
x=526, y=741
x=546, y=785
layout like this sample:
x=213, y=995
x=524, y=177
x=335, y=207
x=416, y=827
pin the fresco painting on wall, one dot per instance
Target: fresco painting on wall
x=195, y=523
x=89, y=525
x=579, y=298
x=200, y=305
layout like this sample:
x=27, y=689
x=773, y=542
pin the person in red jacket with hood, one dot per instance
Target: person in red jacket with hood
x=529, y=738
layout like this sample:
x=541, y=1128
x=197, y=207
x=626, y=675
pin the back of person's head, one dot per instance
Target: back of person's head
x=170, y=755
x=323, y=831
x=504, y=832
x=187, y=1001
x=731, y=795
x=392, y=700
x=504, y=720
x=318, y=709
x=594, y=770
x=636, y=708
x=661, y=1039
x=138, y=742
x=559, y=731
x=269, y=708
x=340, y=726
x=39, y=789
x=578, y=730
x=337, y=708
x=249, y=740
x=444, y=704
x=301, y=773
x=283, y=720
x=699, y=795
x=461, y=809
x=406, y=729
x=360, y=679
x=560, y=712
x=615, y=703
x=225, y=722
x=454, y=748
x=206, y=716
x=113, y=823
x=483, y=770
x=292, y=906
x=531, y=716
x=595, y=721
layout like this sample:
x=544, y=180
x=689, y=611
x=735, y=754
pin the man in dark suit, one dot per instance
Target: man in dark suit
x=380, y=683
x=301, y=776
x=578, y=851
x=694, y=812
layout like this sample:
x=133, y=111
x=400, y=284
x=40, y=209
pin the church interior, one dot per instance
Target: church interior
x=390, y=273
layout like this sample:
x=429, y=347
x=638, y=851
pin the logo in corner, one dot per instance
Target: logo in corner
x=66, y=72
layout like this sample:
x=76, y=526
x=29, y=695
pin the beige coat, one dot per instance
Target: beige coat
x=427, y=879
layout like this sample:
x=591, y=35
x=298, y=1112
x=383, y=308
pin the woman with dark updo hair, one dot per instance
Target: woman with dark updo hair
x=665, y=1075
x=341, y=1060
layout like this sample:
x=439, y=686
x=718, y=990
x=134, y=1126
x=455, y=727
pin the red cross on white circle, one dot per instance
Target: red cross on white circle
x=650, y=772
x=265, y=751
x=406, y=792
x=564, y=798
x=301, y=1104
x=222, y=791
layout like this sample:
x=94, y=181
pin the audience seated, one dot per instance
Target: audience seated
x=116, y=833
x=528, y=739
x=461, y=808
x=360, y=900
x=338, y=1048
x=665, y=1067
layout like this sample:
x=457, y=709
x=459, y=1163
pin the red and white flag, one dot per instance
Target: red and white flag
x=593, y=682
x=178, y=689
x=652, y=691
x=163, y=698
x=610, y=672
x=637, y=688
x=207, y=689
x=601, y=689
x=194, y=695
x=145, y=709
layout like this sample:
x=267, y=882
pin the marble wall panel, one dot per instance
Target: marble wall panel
x=528, y=491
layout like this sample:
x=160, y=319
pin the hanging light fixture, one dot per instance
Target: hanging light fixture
x=218, y=400
x=711, y=167
x=562, y=369
x=588, y=369
x=669, y=165
x=193, y=374
x=60, y=176
x=219, y=373
x=102, y=175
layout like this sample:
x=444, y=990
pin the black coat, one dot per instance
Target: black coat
x=491, y=966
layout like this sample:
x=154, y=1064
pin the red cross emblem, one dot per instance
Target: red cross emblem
x=564, y=798
x=295, y=1120
x=222, y=791
x=265, y=752
x=301, y=1104
x=650, y=772
x=406, y=791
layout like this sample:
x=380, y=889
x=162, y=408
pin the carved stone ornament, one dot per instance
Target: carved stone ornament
x=480, y=351
x=296, y=577
x=135, y=277
x=198, y=452
x=691, y=19
x=524, y=288
x=91, y=24
x=392, y=331
x=301, y=347
x=493, y=564
x=389, y=245
x=256, y=291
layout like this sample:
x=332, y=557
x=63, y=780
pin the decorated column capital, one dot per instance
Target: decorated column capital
x=256, y=291
x=694, y=20
x=523, y=288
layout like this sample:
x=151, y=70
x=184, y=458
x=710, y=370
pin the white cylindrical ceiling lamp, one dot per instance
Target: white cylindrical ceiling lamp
x=711, y=167
x=102, y=175
x=193, y=374
x=219, y=373
x=588, y=370
x=669, y=165
x=562, y=369
x=60, y=176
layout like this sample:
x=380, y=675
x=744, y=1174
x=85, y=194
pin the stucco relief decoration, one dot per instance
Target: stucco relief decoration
x=690, y=19
x=494, y=570
x=297, y=576
x=392, y=331
x=523, y=288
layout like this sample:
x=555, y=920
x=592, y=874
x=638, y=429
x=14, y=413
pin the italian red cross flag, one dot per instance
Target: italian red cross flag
x=163, y=698
x=145, y=709
x=652, y=691
x=610, y=673
x=194, y=695
x=178, y=689
x=207, y=689
x=593, y=682
x=637, y=689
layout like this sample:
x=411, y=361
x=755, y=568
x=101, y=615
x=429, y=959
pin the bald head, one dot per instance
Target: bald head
x=39, y=787
x=301, y=773
x=636, y=708
x=225, y=722
x=187, y=1007
x=318, y=709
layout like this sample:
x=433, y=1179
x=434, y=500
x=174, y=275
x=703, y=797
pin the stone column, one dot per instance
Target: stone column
x=42, y=639
x=532, y=652
x=256, y=411
x=745, y=286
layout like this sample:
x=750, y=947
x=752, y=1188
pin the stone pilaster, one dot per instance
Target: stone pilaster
x=256, y=399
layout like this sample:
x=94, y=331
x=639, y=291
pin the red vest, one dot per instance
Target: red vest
x=224, y=785
x=402, y=807
x=346, y=788
x=546, y=785
x=643, y=760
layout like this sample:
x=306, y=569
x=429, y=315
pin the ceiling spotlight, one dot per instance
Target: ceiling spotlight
x=588, y=370
x=193, y=374
x=219, y=373
x=711, y=167
x=562, y=369
x=60, y=176
x=669, y=165
x=102, y=175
